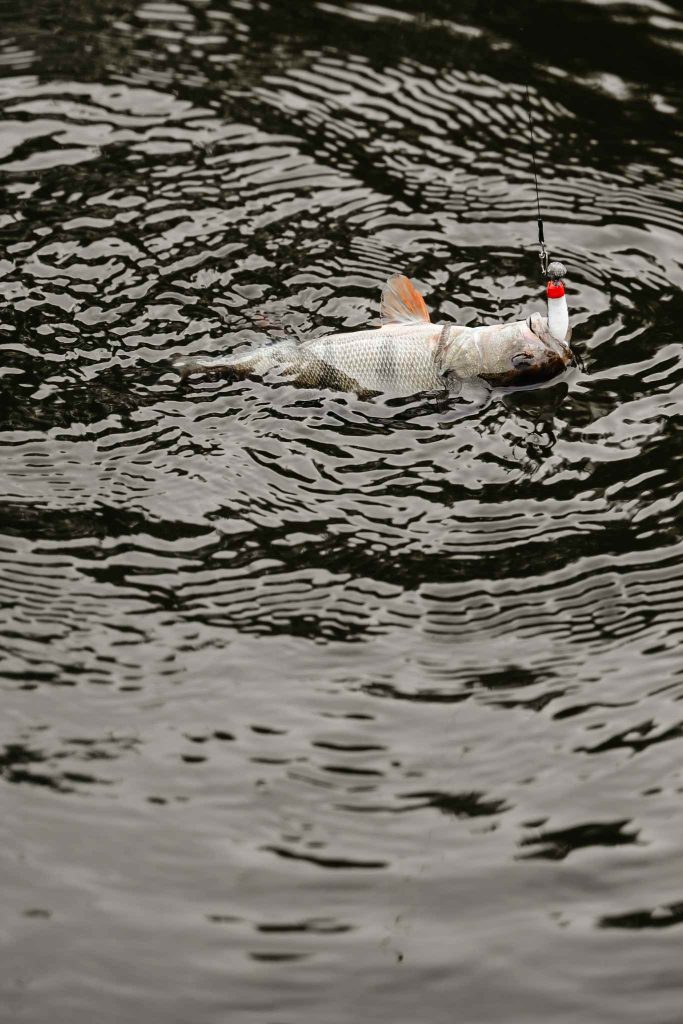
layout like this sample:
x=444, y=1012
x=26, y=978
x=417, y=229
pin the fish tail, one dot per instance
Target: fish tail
x=258, y=361
x=198, y=364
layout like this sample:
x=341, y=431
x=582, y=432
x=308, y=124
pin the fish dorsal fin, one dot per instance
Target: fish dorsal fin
x=402, y=303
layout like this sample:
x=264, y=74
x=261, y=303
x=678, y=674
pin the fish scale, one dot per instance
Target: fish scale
x=397, y=359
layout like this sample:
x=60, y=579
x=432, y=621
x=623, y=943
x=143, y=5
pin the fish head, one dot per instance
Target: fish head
x=503, y=355
x=534, y=355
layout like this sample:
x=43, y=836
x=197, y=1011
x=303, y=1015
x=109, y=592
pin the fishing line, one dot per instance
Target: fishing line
x=543, y=255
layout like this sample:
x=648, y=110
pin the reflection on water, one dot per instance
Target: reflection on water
x=315, y=705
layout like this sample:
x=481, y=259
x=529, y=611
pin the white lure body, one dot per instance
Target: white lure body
x=558, y=313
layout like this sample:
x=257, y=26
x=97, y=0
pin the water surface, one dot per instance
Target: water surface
x=316, y=708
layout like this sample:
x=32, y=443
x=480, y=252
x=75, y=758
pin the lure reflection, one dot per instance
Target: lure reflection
x=409, y=354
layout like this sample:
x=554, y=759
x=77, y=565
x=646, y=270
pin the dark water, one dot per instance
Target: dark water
x=318, y=709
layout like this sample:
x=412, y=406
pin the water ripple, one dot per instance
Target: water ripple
x=325, y=685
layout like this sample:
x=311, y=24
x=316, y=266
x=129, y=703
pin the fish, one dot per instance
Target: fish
x=409, y=354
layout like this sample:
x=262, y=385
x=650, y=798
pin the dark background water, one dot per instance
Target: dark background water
x=318, y=709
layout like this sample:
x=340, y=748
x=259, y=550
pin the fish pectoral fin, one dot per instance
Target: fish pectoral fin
x=476, y=394
x=402, y=303
x=472, y=398
x=451, y=382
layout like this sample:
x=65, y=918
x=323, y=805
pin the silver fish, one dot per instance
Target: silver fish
x=407, y=354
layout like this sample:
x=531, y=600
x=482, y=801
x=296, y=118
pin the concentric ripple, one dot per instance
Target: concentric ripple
x=316, y=707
